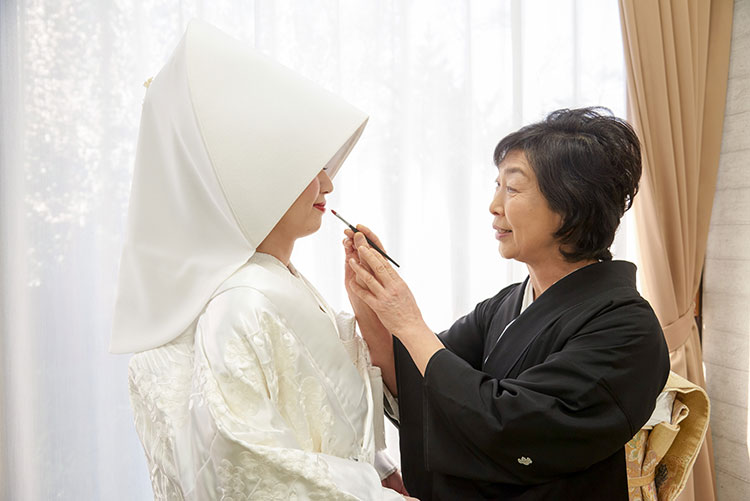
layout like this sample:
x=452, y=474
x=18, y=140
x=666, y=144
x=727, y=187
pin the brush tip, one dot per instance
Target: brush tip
x=333, y=212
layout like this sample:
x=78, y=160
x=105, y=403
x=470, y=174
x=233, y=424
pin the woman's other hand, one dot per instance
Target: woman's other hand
x=394, y=480
x=377, y=337
x=365, y=315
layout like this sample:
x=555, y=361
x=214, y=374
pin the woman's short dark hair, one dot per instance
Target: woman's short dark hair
x=588, y=164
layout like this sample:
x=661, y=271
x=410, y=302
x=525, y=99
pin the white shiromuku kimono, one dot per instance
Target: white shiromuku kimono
x=244, y=385
x=268, y=396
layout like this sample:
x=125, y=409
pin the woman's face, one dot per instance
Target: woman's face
x=306, y=213
x=524, y=223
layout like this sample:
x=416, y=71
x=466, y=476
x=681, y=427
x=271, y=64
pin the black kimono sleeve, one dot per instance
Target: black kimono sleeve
x=559, y=411
x=467, y=336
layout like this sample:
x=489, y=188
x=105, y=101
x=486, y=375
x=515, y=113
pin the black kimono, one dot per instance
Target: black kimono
x=542, y=410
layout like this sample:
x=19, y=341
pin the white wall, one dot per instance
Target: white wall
x=726, y=296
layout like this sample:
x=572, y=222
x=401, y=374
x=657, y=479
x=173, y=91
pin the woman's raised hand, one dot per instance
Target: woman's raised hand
x=382, y=289
x=385, y=292
x=378, y=285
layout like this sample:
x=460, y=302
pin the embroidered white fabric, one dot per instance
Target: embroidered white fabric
x=244, y=406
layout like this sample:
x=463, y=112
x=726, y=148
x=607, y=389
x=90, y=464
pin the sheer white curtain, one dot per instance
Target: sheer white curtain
x=443, y=81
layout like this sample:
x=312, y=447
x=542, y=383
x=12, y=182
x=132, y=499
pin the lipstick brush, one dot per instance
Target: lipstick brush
x=372, y=244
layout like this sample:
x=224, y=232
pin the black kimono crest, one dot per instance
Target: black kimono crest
x=537, y=405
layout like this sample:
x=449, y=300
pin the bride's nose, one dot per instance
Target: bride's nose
x=326, y=185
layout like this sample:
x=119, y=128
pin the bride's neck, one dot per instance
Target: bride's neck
x=279, y=246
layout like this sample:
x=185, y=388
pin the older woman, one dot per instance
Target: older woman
x=534, y=393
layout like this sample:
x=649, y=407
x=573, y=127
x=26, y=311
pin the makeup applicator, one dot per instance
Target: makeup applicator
x=372, y=244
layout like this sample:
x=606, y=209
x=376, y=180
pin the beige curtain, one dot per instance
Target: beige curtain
x=677, y=57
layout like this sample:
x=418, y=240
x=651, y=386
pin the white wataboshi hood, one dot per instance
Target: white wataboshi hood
x=228, y=140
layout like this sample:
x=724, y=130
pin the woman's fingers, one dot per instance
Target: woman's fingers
x=372, y=236
x=359, y=243
x=364, y=233
x=360, y=240
x=351, y=253
x=377, y=263
x=365, y=279
x=365, y=276
x=365, y=295
x=348, y=246
x=352, y=248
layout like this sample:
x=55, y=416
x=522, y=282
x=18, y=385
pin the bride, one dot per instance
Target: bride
x=244, y=385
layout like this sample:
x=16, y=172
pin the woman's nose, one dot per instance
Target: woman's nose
x=496, y=205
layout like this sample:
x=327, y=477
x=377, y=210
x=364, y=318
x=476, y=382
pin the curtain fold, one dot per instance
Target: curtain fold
x=677, y=59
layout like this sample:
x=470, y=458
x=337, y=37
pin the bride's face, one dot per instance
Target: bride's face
x=306, y=213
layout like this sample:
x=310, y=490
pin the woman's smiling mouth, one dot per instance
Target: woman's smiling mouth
x=501, y=232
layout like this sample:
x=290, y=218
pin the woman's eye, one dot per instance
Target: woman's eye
x=510, y=189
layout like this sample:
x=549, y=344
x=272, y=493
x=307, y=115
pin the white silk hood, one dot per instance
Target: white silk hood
x=228, y=140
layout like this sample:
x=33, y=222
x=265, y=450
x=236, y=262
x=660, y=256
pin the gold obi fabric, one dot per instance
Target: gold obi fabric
x=659, y=459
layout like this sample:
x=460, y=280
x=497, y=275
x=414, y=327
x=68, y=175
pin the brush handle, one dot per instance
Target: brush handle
x=372, y=244
x=382, y=253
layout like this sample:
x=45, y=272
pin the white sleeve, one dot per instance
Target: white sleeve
x=248, y=449
x=360, y=354
x=358, y=351
x=384, y=464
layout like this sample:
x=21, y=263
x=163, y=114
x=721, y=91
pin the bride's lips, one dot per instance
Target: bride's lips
x=320, y=207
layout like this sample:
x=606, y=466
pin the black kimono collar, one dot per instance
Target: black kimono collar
x=590, y=281
x=579, y=286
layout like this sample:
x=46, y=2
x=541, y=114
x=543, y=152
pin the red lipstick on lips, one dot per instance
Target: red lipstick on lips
x=320, y=207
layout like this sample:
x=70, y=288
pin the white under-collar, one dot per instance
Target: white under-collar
x=528, y=296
